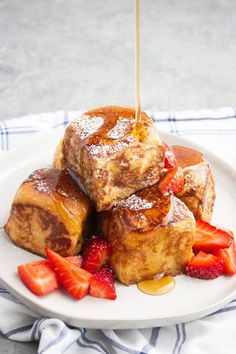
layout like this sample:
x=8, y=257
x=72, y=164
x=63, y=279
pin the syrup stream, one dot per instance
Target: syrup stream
x=137, y=60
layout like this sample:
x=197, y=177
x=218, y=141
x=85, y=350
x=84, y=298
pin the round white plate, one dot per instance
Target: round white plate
x=191, y=298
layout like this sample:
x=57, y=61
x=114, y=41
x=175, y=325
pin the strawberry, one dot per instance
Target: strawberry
x=228, y=256
x=95, y=254
x=204, y=266
x=173, y=181
x=39, y=277
x=76, y=260
x=102, y=284
x=170, y=159
x=75, y=280
x=209, y=238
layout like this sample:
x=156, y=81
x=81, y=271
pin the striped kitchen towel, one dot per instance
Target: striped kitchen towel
x=214, y=130
x=203, y=127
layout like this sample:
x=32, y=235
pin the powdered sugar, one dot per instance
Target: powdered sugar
x=102, y=150
x=86, y=125
x=42, y=187
x=122, y=127
x=40, y=184
x=135, y=203
x=180, y=211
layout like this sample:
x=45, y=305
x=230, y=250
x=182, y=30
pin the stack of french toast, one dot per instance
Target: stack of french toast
x=113, y=176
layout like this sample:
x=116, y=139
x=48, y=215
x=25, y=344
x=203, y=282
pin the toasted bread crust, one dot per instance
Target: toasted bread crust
x=199, y=187
x=49, y=210
x=113, y=156
x=149, y=234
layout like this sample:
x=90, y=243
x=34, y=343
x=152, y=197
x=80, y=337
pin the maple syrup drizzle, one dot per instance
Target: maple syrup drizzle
x=137, y=60
x=157, y=286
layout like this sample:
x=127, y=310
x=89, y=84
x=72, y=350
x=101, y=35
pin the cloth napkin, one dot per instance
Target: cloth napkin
x=215, y=130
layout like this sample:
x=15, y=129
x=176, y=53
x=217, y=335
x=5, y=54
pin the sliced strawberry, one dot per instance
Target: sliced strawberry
x=39, y=277
x=33, y=274
x=75, y=280
x=204, y=266
x=228, y=256
x=170, y=159
x=173, y=181
x=102, y=284
x=76, y=260
x=209, y=238
x=96, y=254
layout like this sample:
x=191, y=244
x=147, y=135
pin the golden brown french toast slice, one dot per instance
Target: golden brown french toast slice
x=111, y=154
x=49, y=210
x=149, y=234
x=199, y=187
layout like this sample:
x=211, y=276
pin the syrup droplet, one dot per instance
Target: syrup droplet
x=157, y=286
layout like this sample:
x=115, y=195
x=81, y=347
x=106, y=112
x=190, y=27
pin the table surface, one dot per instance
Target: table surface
x=79, y=54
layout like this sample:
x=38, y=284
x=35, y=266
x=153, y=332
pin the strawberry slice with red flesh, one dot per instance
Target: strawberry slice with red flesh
x=96, y=254
x=172, y=182
x=170, y=159
x=204, y=266
x=228, y=256
x=75, y=280
x=35, y=275
x=76, y=260
x=102, y=284
x=209, y=238
x=39, y=277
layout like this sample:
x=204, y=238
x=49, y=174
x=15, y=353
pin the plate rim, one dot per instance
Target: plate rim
x=105, y=323
x=186, y=317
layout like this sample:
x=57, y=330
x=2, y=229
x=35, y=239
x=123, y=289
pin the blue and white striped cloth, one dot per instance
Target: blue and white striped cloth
x=214, y=334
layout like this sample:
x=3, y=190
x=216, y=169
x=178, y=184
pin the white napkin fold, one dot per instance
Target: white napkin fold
x=213, y=334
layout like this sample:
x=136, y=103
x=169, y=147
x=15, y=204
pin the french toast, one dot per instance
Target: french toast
x=49, y=210
x=149, y=234
x=199, y=188
x=112, y=154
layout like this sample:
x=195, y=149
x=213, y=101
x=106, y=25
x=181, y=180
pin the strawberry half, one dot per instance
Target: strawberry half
x=76, y=260
x=170, y=159
x=173, y=181
x=102, y=284
x=39, y=277
x=228, y=256
x=75, y=280
x=209, y=238
x=204, y=266
x=96, y=254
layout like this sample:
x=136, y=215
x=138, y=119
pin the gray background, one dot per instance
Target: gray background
x=78, y=54
x=75, y=54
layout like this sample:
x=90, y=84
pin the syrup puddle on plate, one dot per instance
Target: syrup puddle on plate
x=157, y=286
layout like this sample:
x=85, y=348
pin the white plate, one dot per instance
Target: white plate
x=191, y=298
